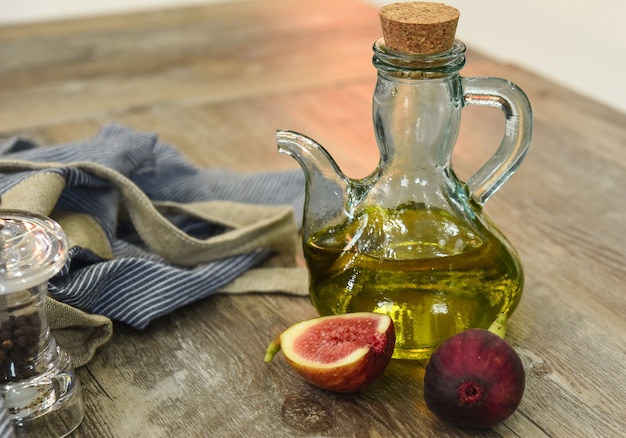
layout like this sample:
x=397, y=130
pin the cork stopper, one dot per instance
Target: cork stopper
x=419, y=28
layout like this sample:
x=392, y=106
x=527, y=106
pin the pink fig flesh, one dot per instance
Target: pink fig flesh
x=342, y=353
x=474, y=378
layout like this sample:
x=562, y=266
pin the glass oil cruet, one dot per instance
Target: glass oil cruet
x=411, y=240
x=41, y=391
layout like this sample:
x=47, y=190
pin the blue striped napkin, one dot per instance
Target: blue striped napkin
x=6, y=427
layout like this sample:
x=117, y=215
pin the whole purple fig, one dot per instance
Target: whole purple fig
x=474, y=378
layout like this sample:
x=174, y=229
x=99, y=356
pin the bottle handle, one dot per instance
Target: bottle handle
x=517, y=133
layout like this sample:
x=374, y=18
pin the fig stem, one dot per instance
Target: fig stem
x=498, y=327
x=272, y=349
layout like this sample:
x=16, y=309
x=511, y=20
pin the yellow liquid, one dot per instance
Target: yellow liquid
x=433, y=275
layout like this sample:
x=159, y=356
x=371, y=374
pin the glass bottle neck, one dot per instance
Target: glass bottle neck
x=418, y=66
x=417, y=107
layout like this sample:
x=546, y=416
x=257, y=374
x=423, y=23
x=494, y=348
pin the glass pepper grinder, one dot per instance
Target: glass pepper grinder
x=37, y=380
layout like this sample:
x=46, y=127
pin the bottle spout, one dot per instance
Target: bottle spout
x=326, y=186
x=316, y=162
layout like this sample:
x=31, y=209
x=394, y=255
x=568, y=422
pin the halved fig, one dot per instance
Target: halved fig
x=342, y=353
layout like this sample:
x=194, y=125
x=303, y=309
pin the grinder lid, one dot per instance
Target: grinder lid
x=33, y=248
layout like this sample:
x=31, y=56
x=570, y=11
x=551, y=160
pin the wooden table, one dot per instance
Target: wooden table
x=216, y=81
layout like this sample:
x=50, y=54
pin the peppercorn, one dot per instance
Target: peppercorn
x=19, y=339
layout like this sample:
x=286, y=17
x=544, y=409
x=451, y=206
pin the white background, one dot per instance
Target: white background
x=578, y=43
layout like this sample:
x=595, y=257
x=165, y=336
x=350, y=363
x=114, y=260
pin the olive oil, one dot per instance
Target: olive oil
x=434, y=274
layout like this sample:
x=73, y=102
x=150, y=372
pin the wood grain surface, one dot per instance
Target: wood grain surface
x=217, y=81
